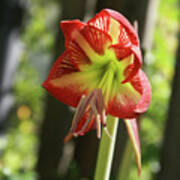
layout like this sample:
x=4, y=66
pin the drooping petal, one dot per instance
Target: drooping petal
x=132, y=99
x=132, y=128
x=61, y=83
x=142, y=85
x=124, y=102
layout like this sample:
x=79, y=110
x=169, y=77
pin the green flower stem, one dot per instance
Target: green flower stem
x=126, y=162
x=106, y=150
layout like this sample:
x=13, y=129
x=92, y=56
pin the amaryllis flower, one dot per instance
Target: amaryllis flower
x=99, y=73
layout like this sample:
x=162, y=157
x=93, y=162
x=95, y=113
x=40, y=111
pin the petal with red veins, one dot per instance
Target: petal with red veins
x=124, y=36
x=132, y=128
x=62, y=66
x=116, y=25
x=105, y=23
x=98, y=39
x=121, y=51
x=132, y=99
x=132, y=34
x=90, y=42
x=77, y=55
x=61, y=84
x=101, y=21
x=69, y=26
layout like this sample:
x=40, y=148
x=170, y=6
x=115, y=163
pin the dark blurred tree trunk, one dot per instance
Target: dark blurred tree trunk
x=11, y=16
x=170, y=159
x=57, y=117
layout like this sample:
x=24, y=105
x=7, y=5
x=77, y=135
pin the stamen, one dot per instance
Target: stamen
x=104, y=117
x=97, y=119
x=94, y=108
x=82, y=107
x=85, y=124
x=98, y=126
x=86, y=104
x=101, y=107
x=93, y=104
x=76, y=116
x=107, y=132
x=100, y=102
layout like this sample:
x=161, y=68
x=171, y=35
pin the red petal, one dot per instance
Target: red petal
x=122, y=106
x=125, y=23
x=130, y=103
x=98, y=39
x=62, y=66
x=121, y=50
x=77, y=55
x=127, y=41
x=142, y=85
x=124, y=51
x=86, y=44
x=101, y=21
x=69, y=26
x=69, y=94
x=131, y=125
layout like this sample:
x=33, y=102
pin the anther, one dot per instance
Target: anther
x=107, y=132
x=94, y=106
x=77, y=114
x=98, y=126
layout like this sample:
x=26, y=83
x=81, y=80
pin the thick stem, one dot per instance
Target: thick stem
x=106, y=150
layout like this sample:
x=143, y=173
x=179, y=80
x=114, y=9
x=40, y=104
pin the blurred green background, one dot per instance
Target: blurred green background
x=40, y=44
